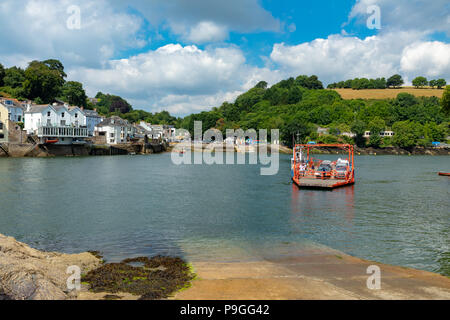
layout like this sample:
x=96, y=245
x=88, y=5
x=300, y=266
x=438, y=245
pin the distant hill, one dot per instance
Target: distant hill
x=387, y=93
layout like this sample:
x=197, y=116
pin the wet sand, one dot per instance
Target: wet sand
x=310, y=277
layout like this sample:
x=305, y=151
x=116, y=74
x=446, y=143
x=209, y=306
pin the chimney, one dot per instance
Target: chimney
x=95, y=109
x=82, y=108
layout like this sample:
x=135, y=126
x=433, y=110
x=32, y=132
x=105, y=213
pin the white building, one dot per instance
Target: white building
x=367, y=134
x=59, y=124
x=158, y=131
x=115, y=130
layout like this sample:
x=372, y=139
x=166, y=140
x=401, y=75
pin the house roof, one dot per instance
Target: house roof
x=37, y=108
x=16, y=103
x=113, y=121
x=60, y=107
x=91, y=113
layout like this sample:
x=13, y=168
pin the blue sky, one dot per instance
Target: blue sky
x=309, y=20
x=190, y=55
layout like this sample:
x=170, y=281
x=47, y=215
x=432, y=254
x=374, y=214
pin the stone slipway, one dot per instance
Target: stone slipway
x=311, y=277
x=27, y=273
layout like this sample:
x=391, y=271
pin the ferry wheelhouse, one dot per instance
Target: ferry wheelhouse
x=309, y=172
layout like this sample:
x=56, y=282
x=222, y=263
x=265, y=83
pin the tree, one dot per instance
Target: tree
x=311, y=82
x=359, y=127
x=434, y=132
x=395, y=81
x=432, y=83
x=297, y=128
x=42, y=82
x=420, y=82
x=261, y=85
x=445, y=101
x=2, y=74
x=247, y=100
x=376, y=126
x=440, y=83
x=56, y=65
x=14, y=77
x=407, y=133
x=119, y=105
x=74, y=94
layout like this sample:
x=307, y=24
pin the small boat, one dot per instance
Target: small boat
x=48, y=141
x=444, y=174
x=79, y=142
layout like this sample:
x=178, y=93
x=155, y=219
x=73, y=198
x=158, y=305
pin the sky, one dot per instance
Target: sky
x=187, y=56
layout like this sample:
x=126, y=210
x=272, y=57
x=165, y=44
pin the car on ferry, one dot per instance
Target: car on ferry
x=325, y=170
x=342, y=169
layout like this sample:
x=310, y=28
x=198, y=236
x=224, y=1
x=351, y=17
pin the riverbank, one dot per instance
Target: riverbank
x=432, y=151
x=54, y=150
x=27, y=273
x=393, y=151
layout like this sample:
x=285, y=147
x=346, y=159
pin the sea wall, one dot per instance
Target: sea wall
x=17, y=150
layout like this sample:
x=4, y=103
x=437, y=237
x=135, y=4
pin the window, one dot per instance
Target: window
x=111, y=141
x=2, y=136
x=76, y=115
x=112, y=135
x=1, y=125
x=62, y=115
x=63, y=123
x=19, y=119
x=48, y=114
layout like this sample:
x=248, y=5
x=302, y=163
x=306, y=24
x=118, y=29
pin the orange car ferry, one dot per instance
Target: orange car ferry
x=308, y=172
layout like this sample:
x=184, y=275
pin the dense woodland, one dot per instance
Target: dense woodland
x=296, y=106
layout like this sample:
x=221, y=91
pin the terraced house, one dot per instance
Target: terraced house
x=58, y=124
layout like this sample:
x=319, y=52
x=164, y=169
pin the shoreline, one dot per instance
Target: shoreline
x=27, y=273
x=42, y=151
x=29, y=150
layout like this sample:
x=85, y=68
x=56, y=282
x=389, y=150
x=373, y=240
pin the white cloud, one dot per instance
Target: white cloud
x=37, y=29
x=340, y=57
x=431, y=59
x=232, y=15
x=207, y=31
x=399, y=15
x=177, y=78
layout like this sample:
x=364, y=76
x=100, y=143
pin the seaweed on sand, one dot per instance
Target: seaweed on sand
x=154, y=278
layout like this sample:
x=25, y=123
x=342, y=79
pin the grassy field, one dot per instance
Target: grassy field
x=388, y=93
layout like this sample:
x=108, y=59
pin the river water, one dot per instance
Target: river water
x=126, y=206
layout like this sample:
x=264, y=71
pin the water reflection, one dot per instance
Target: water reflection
x=321, y=212
x=396, y=213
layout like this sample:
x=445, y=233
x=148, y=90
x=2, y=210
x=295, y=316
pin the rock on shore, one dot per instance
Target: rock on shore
x=30, y=274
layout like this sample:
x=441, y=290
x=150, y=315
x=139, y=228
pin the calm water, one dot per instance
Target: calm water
x=125, y=206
